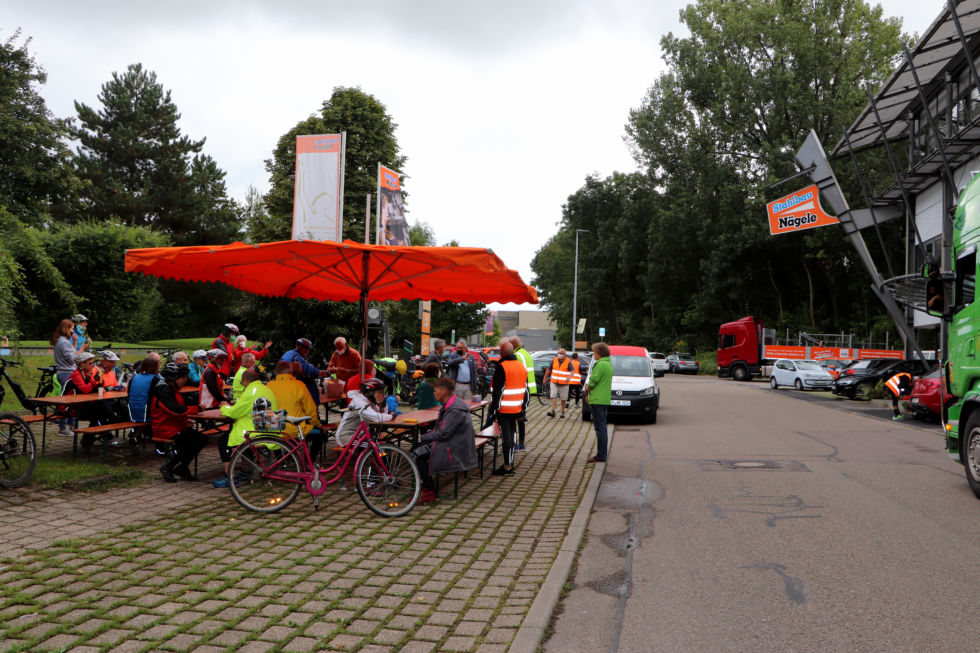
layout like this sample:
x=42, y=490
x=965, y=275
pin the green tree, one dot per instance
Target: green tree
x=36, y=177
x=141, y=170
x=740, y=94
x=370, y=141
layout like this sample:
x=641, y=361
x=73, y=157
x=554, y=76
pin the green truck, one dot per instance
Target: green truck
x=962, y=370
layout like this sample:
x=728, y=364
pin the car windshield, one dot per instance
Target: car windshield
x=807, y=365
x=659, y=357
x=631, y=366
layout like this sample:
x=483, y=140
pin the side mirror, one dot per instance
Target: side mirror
x=938, y=291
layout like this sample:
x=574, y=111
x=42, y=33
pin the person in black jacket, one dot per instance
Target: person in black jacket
x=168, y=414
x=451, y=445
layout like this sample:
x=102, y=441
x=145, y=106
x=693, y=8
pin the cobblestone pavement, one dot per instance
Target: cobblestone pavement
x=182, y=567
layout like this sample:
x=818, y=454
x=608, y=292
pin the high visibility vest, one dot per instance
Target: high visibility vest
x=561, y=372
x=524, y=356
x=576, y=372
x=894, y=383
x=515, y=385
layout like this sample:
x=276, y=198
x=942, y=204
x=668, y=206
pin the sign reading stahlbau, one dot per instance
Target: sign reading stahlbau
x=798, y=211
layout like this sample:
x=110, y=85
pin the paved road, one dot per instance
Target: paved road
x=752, y=520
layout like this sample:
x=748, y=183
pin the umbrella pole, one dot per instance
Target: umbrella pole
x=364, y=310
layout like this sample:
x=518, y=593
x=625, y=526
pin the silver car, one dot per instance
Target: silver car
x=660, y=364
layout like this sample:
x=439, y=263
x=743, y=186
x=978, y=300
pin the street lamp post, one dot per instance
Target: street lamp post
x=575, y=290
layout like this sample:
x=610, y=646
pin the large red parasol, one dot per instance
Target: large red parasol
x=347, y=271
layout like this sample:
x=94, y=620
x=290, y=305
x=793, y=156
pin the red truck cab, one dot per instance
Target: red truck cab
x=740, y=349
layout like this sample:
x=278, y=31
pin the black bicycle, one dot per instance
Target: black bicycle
x=18, y=449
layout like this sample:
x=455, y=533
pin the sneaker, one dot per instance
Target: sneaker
x=168, y=475
x=551, y=413
x=427, y=496
x=221, y=482
x=160, y=452
x=66, y=432
x=518, y=447
x=562, y=416
x=503, y=471
x=593, y=459
x=898, y=418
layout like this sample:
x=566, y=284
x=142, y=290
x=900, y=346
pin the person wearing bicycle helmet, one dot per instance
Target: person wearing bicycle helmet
x=196, y=367
x=241, y=413
x=212, y=380
x=168, y=414
x=225, y=342
x=368, y=405
x=310, y=373
x=105, y=371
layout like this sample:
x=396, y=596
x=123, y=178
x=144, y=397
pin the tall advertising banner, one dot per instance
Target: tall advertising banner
x=426, y=326
x=392, y=225
x=318, y=196
x=798, y=211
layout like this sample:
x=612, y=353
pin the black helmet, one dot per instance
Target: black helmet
x=173, y=371
x=231, y=328
x=368, y=386
x=304, y=342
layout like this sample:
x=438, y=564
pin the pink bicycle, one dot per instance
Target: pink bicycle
x=268, y=470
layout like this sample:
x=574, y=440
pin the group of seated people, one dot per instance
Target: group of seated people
x=156, y=396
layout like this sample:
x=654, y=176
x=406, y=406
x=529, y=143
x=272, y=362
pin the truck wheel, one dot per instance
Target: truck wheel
x=970, y=452
x=772, y=383
x=740, y=373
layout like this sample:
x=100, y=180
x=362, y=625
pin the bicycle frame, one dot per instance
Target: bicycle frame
x=44, y=385
x=310, y=477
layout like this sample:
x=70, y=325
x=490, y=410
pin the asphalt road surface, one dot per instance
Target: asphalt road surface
x=749, y=519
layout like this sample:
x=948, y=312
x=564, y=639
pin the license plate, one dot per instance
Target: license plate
x=915, y=400
x=619, y=402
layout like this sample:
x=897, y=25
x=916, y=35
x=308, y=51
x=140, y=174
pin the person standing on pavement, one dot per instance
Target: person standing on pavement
x=435, y=355
x=524, y=356
x=560, y=376
x=598, y=395
x=79, y=333
x=900, y=386
x=575, y=387
x=462, y=370
x=345, y=362
x=509, y=399
x=226, y=343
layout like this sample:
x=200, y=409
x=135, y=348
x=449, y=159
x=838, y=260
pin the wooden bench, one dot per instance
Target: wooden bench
x=34, y=419
x=100, y=432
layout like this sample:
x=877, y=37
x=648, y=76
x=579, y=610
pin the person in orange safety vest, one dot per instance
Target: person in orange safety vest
x=560, y=375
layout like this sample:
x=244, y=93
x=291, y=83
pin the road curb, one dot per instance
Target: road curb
x=531, y=633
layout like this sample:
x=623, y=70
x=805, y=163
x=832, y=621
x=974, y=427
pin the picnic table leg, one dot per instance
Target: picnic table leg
x=44, y=426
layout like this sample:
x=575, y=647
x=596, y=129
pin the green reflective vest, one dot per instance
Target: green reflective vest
x=524, y=356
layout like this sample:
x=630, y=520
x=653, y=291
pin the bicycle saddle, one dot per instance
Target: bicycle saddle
x=298, y=420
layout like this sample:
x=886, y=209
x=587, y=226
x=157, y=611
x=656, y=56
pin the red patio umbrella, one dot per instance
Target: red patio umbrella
x=347, y=271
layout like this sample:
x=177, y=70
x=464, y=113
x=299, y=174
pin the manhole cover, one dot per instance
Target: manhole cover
x=751, y=465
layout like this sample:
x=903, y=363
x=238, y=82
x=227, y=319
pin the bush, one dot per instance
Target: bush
x=707, y=362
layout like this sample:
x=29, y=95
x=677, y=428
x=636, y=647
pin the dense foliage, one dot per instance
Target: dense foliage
x=682, y=246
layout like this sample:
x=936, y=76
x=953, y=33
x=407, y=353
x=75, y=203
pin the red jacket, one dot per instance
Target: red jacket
x=229, y=346
x=78, y=384
x=258, y=353
x=168, y=411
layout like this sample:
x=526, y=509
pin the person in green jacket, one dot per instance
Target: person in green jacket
x=241, y=413
x=248, y=363
x=598, y=395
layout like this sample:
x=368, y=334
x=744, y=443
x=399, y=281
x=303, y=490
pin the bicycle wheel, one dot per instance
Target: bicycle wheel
x=251, y=473
x=18, y=452
x=542, y=395
x=393, y=494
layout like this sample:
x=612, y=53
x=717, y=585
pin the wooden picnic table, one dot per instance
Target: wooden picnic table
x=71, y=401
x=410, y=424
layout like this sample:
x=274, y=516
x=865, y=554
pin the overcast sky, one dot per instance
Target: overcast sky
x=503, y=108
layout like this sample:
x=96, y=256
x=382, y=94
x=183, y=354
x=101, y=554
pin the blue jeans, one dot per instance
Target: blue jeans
x=599, y=415
x=63, y=379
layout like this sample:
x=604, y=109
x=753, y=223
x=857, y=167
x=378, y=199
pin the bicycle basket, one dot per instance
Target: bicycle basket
x=269, y=420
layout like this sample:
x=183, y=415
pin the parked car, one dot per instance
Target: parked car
x=682, y=363
x=832, y=367
x=858, y=379
x=802, y=375
x=925, y=395
x=493, y=353
x=634, y=387
x=660, y=364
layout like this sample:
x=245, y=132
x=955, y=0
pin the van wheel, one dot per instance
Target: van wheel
x=772, y=383
x=652, y=419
